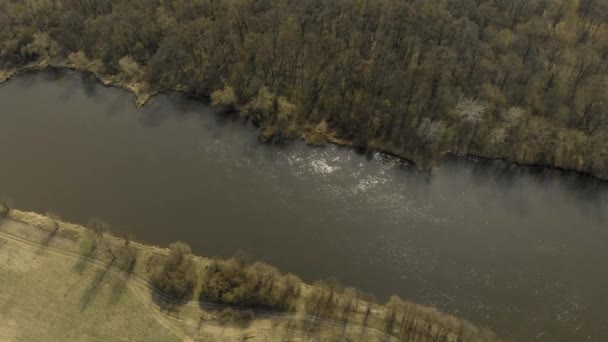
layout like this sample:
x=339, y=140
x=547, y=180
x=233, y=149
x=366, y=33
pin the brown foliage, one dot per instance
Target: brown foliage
x=257, y=285
x=176, y=275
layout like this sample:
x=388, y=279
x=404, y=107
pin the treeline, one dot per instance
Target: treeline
x=246, y=287
x=523, y=80
x=257, y=285
x=233, y=282
x=237, y=290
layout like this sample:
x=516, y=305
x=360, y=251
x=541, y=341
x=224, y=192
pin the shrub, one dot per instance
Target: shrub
x=224, y=97
x=257, y=285
x=177, y=275
x=129, y=67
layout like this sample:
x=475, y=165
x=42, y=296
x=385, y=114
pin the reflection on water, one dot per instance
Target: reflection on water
x=521, y=250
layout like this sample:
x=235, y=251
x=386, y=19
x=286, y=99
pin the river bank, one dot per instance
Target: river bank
x=41, y=252
x=440, y=239
x=555, y=153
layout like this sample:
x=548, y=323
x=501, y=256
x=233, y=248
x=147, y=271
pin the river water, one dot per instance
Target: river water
x=520, y=250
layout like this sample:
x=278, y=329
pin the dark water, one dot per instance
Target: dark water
x=519, y=250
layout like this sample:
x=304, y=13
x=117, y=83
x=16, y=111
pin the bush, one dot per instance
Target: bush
x=177, y=275
x=258, y=285
x=224, y=97
x=129, y=67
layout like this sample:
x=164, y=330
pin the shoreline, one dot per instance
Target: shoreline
x=49, y=236
x=312, y=135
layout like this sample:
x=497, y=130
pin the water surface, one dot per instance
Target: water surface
x=520, y=250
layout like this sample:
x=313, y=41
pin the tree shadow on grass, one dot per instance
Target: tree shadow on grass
x=93, y=288
x=47, y=240
x=44, y=244
x=165, y=302
x=85, y=258
x=292, y=328
x=127, y=264
x=82, y=264
x=311, y=326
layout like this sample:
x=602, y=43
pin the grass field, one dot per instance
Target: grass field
x=55, y=287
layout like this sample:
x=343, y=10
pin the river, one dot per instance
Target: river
x=520, y=250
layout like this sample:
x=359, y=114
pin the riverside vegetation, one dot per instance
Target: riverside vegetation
x=74, y=276
x=523, y=80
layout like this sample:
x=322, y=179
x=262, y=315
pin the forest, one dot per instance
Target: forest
x=521, y=80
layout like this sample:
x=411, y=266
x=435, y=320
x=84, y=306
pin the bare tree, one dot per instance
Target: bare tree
x=100, y=228
x=177, y=276
x=4, y=210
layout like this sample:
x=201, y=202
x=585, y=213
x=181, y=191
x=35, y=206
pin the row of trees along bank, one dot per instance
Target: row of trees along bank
x=524, y=80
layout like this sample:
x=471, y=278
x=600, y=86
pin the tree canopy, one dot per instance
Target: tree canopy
x=524, y=80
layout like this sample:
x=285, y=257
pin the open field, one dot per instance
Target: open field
x=54, y=288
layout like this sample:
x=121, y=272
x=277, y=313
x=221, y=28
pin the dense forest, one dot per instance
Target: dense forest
x=523, y=80
x=230, y=293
